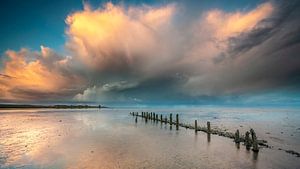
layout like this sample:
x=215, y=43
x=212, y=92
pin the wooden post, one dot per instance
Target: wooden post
x=247, y=140
x=237, y=136
x=161, y=118
x=136, y=119
x=208, y=127
x=146, y=117
x=196, y=126
x=157, y=118
x=171, y=119
x=177, y=122
x=254, y=141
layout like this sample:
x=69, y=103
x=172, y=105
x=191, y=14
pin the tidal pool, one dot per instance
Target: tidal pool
x=110, y=138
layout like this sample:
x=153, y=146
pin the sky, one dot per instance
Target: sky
x=150, y=52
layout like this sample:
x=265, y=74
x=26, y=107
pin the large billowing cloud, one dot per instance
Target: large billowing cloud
x=144, y=53
x=115, y=39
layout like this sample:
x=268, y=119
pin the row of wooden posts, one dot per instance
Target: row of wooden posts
x=248, y=142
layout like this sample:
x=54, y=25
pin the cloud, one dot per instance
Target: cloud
x=144, y=53
x=114, y=39
x=107, y=92
x=42, y=75
x=261, y=58
x=228, y=24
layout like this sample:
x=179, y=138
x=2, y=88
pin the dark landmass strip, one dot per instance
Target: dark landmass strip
x=60, y=106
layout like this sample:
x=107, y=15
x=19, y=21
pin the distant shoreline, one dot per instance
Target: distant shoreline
x=59, y=106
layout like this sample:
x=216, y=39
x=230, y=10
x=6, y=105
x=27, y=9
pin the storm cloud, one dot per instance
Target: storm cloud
x=142, y=53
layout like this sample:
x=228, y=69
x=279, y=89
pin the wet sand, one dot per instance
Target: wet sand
x=110, y=138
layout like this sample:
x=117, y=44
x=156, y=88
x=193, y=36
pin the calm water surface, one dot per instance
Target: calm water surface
x=109, y=138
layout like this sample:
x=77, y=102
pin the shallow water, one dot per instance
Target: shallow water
x=109, y=138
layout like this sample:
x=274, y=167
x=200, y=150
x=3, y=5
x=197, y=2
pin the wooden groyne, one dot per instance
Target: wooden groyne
x=249, y=140
x=245, y=139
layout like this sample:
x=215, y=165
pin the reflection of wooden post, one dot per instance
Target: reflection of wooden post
x=208, y=127
x=196, y=126
x=177, y=122
x=136, y=119
x=171, y=119
x=208, y=137
x=237, y=136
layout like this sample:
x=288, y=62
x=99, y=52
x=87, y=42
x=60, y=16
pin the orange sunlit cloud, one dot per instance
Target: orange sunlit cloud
x=115, y=36
x=23, y=74
x=230, y=24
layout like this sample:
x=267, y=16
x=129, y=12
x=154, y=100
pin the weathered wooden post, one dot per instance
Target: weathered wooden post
x=208, y=127
x=161, y=118
x=166, y=119
x=254, y=141
x=247, y=140
x=196, y=126
x=177, y=122
x=171, y=119
x=154, y=116
x=237, y=136
x=146, y=117
x=151, y=116
x=157, y=118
